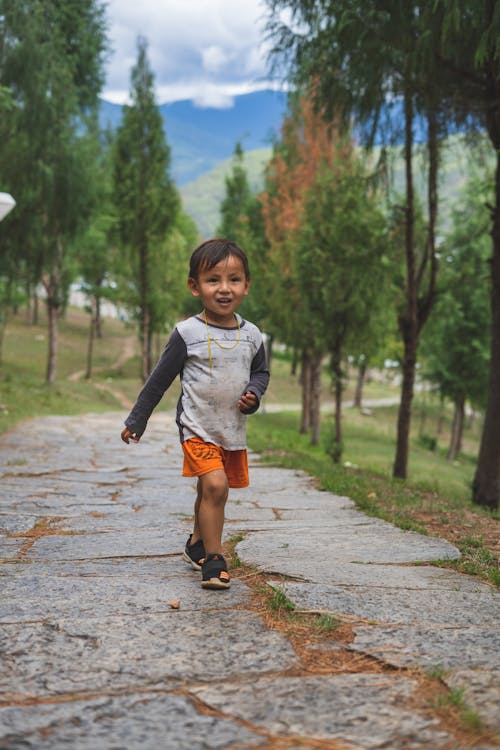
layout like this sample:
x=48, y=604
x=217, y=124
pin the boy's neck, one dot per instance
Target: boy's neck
x=230, y=321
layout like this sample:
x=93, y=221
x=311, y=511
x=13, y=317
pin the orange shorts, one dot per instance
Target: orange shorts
x=201, y=458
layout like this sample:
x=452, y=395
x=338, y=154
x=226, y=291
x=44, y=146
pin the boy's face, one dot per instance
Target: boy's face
x=221, y=290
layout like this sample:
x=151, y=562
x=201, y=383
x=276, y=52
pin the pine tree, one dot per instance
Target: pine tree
x=146, y=200
x=236, y=201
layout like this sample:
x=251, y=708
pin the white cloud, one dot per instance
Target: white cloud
x=205, y=50
x=214, y=59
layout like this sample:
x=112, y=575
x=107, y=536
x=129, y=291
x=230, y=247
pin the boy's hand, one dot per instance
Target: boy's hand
x=247, y=402
x=127, y=436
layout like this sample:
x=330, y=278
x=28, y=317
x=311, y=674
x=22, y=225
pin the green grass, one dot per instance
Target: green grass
x=279, y=602
x=369, y=446
x=23, y=391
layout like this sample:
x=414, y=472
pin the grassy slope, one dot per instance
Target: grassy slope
x=202, y=197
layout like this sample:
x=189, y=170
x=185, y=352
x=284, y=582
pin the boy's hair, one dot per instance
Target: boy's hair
x=211, y=252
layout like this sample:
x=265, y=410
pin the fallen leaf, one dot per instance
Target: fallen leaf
x=176, y=604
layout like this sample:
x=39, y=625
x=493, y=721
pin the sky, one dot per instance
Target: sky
x=206, y=51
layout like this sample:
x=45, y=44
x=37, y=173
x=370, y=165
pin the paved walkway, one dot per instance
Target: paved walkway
x=92, y=656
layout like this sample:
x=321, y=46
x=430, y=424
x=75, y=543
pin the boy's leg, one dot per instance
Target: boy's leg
x=196, y=535
x=194, y=551
x=209, y=509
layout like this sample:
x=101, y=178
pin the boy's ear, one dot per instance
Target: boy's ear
x=193, y=287
x=247, y=285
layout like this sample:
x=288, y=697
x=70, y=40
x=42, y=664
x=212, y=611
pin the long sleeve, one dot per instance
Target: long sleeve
x=168, y=367
x=259, y=376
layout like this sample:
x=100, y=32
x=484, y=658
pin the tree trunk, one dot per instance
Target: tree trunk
x=28, y=305
x=408, y=320
x=305, y=380
x=360, y=381
x=3, y=324
x=52, y=284
x=486, y=484
x=457, y=429
x=145, y=344
x=53, y=328
x=36, y=308
x=417, y=310
x=440, y=421
x=336, y=364
x=317, y=360
x=92, y=333
x=98, y=316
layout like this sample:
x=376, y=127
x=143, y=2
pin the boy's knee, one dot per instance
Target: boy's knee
x=215, y=486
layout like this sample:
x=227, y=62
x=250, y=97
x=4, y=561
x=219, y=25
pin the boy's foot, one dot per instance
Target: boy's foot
x=214, y=573
x=194, y=554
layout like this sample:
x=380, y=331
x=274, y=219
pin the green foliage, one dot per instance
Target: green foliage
x=52, y=64
x=341, y=252
x=456, y=341
x=234, y=207
x=146, y=203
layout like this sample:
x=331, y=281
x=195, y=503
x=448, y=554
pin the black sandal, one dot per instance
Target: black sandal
x=194, y=554
x=214, y=573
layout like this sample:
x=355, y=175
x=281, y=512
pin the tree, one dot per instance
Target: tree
x=146, y=200
x=326, y=236
x=96, y=247
x=341, y=253
x=236, y=200
x=455, y=346
x=467, y=46
x=307, y=142
x=361, y=56
x=53, y=63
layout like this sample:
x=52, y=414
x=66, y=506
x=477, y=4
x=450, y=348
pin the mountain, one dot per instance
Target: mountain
x=201, y=137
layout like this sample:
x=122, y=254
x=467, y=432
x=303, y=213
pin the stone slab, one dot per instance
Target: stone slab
x=400, y=606
x=141, y=542
x=31, y=594
x=367, y=710
x=18, y=523
x=74, y=655
x=135, y=722
x=430, y=647
x=411, y=577
x=312, y=547
x=10, y=549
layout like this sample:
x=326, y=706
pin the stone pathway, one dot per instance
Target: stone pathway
x=92, y=655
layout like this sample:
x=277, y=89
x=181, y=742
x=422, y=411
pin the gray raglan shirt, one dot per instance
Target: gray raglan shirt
x=214, y=375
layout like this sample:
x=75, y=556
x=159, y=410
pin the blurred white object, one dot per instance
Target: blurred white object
x=7, y=203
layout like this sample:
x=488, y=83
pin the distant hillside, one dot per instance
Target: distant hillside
x=201, y=137
x=203, y=196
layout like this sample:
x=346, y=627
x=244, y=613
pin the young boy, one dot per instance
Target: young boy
x=221, y=360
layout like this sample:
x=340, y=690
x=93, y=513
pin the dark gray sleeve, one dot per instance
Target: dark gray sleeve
x=168, y=367
x=259, y=377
